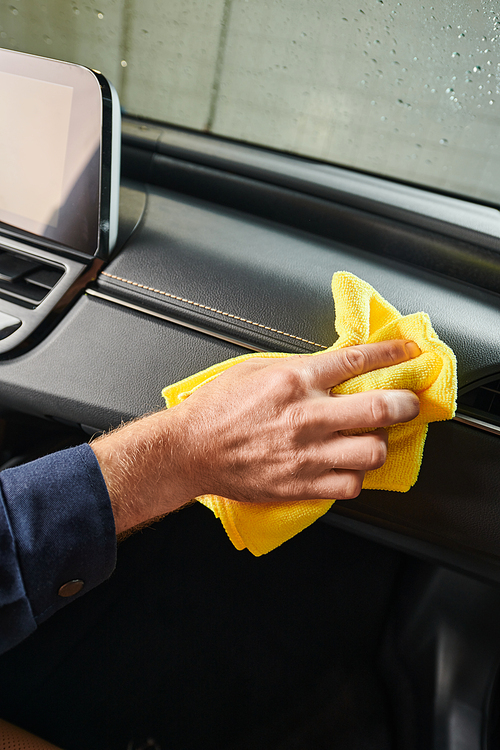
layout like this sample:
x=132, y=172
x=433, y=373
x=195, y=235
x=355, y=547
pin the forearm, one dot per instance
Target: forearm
x=143, y=469
x=262, y=431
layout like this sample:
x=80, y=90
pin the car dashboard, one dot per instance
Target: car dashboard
x=225, y=249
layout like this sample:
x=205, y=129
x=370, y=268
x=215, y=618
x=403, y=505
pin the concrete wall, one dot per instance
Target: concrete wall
x=398, y=88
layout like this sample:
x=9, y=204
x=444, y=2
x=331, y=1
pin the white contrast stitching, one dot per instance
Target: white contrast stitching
x=211, y=309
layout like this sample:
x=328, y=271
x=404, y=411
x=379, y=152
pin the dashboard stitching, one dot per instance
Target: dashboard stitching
x=211, y=309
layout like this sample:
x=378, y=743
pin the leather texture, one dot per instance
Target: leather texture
x=270, y=285
x=14, y=738
x=104, y=363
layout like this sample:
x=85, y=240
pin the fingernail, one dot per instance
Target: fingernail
x=412, y=349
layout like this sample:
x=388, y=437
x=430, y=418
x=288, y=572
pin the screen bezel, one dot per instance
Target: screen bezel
x=80, y=213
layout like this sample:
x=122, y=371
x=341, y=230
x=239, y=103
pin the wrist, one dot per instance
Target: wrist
x=142, y=464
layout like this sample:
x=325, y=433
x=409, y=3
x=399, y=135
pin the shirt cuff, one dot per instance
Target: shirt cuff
x=60, y=517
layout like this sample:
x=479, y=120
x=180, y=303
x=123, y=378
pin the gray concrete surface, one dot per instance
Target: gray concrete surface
x=401, y=89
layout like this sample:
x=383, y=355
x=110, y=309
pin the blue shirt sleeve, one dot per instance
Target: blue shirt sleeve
x=56, y=526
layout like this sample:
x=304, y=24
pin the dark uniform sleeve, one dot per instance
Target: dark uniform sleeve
x=57, y=538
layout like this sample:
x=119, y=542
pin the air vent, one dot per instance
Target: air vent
x=482, y=401
x=26, y=280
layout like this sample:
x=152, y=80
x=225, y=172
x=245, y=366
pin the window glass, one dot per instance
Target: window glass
x=403, y=89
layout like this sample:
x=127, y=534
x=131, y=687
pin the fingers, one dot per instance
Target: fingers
x=340, y=472
x=358, y=452
x=361, y=411
x=341, y=484
x=331, y=368
x=341, y=455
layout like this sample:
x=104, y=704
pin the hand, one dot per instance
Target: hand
x=264, y=430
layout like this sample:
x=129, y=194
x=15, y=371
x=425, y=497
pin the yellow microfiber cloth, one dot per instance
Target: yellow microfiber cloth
x=361, y=316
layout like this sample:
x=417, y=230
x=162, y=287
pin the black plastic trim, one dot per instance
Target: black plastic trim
x=351, y=220
x=454, y=217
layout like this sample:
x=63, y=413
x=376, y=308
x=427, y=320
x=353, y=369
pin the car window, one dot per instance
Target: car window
x=402, y=89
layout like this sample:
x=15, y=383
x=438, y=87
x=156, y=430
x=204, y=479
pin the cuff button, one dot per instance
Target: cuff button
x=71, y=587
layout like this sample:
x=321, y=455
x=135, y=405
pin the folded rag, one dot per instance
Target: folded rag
x=361, y=316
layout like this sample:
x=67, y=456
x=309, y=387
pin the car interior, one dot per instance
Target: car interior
x=377, y=628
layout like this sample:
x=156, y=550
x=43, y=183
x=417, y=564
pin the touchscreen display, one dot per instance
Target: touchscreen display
x=33, y=141
x=50, y=150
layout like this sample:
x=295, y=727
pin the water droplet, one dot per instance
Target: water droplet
x=476, y=68
x=460, y=36
x=492, y=101
x=455, y=54
x=443, y=142
x=373, y=102
x=345, y=19
x=3, y=34
x=100, y=15
x=14, y=10
x=415, y=59
x=76, y=11
x=123, y=63
x=383, y=118
x=303, y=33
x=47, y=39
x=449, y=91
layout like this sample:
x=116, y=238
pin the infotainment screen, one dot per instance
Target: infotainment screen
x=59, y=153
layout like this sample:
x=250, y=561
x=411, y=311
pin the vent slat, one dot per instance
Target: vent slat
x=483, y=401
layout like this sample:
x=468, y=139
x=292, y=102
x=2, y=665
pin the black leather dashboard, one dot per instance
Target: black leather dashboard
x=200, y=281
